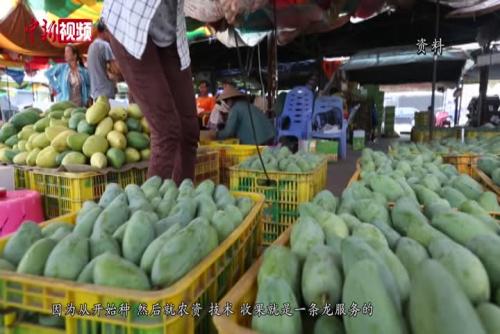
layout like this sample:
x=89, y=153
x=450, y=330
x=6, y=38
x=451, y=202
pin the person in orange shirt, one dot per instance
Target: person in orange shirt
x=205, y=103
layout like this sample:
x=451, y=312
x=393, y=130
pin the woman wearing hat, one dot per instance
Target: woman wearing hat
x=236, y=108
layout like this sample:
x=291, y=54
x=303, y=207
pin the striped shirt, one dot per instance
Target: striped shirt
x=129, y=22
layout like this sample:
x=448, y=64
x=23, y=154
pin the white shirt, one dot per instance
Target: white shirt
x=163, y=27
x=215, y=117
x=129, y=22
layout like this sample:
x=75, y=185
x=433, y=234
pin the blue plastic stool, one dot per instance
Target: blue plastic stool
x=324, y=104
x=295, y=121
x=299, y=100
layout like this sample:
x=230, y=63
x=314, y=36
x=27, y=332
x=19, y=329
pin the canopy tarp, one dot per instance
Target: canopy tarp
x=468, y=8
x=292, y=18
x=391, y=66
x=389, y=29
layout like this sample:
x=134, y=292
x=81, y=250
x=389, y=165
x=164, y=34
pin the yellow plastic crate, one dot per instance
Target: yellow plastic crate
x=283, y=194
x=244, y=292
x=207, y=166
x=63, y=192
x=132, y=176
x=204, y=284
x=463, y=162
x=229, y=141
x=22, y=177
x=231, y=155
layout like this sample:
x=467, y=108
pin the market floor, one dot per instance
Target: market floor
x=341, y=171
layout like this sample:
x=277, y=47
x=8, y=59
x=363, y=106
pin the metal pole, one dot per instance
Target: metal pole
x=483, y=88
x=458, y=102
x=272, y=68
x=434, y=75
x=8, y=90
x=456, y=107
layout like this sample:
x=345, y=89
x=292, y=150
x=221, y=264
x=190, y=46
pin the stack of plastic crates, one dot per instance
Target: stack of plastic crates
x=22, y=177
x=91, y=309
x=231, y=155
x=229, y=141
x=207, y=166
x=474, y=133
x=284, y=192
x=63, y=192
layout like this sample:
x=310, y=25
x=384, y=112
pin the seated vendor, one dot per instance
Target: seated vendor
x=237, y=109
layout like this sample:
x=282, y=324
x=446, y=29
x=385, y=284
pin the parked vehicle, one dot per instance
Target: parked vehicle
x=404, y=119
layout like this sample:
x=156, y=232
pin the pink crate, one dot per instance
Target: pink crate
x=18, y=206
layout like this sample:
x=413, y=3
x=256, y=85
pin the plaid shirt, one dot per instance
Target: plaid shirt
x=129, y=23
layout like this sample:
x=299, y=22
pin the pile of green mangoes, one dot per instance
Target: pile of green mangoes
x=282, y=159
x=65, y=135
x=478, y=146
x=427, y=265
x=139, y=238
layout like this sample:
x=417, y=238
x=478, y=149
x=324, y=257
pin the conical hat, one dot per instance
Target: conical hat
x=230, y=92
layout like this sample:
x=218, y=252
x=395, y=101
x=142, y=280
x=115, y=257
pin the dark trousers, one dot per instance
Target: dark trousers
x=166, y=97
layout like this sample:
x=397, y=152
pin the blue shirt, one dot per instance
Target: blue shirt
x=239, y=125
x=58, y=76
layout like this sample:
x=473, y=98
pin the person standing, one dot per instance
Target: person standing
x=149, y=41
x=70, y=81
x=99, y=58
x=205, y=102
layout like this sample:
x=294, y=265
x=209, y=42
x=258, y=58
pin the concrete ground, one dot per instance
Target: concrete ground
x=340, y=172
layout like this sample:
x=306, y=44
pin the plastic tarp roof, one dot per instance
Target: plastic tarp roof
x=396, y=57
x=403, y=66
x=292, y=18
x=482, y=8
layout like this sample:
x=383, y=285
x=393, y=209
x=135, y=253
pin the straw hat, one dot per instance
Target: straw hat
x=229, y=92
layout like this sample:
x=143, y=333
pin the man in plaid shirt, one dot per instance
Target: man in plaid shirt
x=149, y=41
